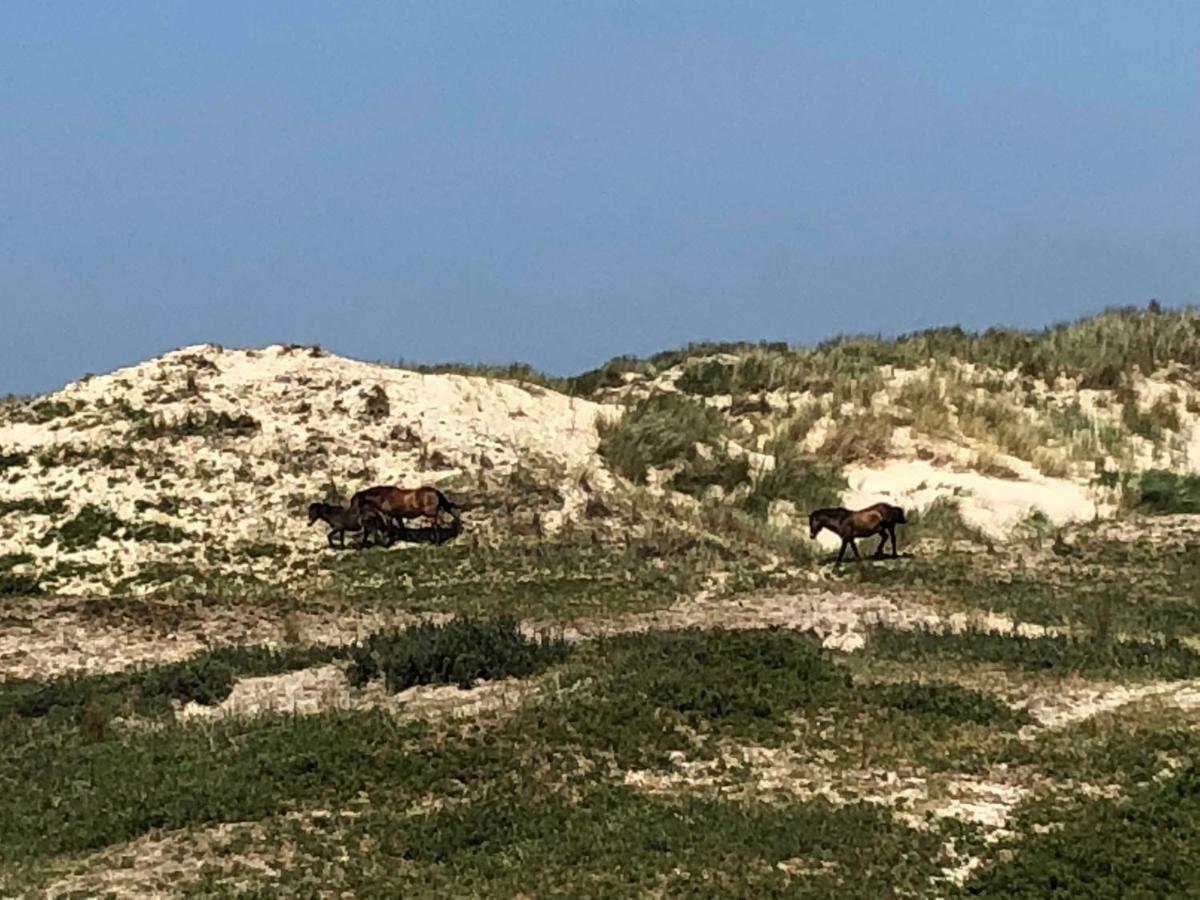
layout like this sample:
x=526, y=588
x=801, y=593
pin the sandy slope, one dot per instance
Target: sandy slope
x=322, y=421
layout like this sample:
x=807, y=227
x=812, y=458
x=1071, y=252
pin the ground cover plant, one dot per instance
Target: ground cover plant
x=1135, y=587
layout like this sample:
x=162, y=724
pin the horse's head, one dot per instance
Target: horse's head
x=816, y=521
x=315, y=511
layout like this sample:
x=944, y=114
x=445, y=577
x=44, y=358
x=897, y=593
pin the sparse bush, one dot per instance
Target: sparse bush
x=858, y=438
x=36, y=506
x=92, y=522
x=13, y=460
x=928, y=412
x=376, y=405
x=458, y=652
x=208, y=424
x=999, y=423
x=807, y=482
x=702, y=472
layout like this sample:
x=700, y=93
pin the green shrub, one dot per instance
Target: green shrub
x=12, y=585
x=458, y=652
x=949, y=702
x=926, y=404
x=83, y=530
x=1160, y=491
x=1143, y=845
x=1091, y=654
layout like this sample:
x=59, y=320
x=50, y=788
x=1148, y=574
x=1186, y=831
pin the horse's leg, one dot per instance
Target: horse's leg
x=892, y=532
x=854, y=547
x=842, y=551
x=883, y=539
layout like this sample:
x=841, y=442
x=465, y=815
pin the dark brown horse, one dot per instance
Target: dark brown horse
x=881, y=519
x=406, y=503
x=341, y=520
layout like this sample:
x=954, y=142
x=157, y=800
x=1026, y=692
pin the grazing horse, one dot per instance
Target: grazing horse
x=341, y=520
x=406, y=503
x=881, y=519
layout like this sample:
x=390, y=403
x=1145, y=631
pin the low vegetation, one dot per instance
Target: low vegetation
x=459, y=652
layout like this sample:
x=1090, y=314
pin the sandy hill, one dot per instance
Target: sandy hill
x=211, y=456
x=207, y=457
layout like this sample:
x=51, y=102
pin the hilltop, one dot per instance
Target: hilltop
x=204, y=459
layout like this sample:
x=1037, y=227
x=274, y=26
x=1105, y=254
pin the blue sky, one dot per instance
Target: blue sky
x=562, y=182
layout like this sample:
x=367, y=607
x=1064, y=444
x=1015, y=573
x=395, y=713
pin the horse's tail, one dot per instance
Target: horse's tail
x=444, y=503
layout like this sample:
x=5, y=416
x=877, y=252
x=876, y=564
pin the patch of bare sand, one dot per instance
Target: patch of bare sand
x=314, y=690
x=165, y=863
x=162, y=865
x=48, y=638
x=841, y=619
x=1063, y=707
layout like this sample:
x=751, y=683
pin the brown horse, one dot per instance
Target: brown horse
x=341, y=520
x=406, y=503
x=881, y=519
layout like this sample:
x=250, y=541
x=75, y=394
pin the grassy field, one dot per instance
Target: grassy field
x=713, y=760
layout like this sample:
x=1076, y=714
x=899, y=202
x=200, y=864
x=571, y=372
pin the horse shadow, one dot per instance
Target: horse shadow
x=406, y=535
x=867, y=558
x=425, y=535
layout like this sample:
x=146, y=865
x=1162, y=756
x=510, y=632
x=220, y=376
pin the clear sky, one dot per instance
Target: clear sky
x=561, y=182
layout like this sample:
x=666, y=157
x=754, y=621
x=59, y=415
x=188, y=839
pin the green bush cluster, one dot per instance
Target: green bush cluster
x=460, y=652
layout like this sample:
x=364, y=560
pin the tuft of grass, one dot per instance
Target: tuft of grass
x=928, y=411
x=807, y=482
x=859, y=437
x=460, y=652
x=942, y=520
x=998, y=423
x=662, y=429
